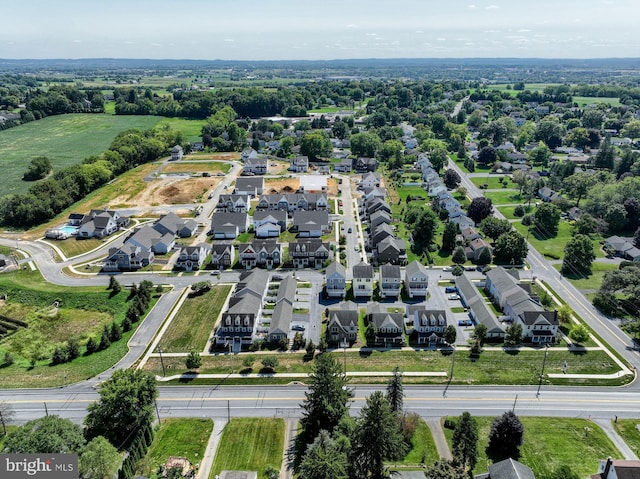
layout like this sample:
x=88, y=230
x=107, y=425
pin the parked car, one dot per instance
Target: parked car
x=450, y=289
x=469, y=268
x=447, y=268
x=298, y=327
x=465, y=322
x=453, y=297
x=350, y=230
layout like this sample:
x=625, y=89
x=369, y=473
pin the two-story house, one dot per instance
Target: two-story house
x=335, y=278
x=222, y=255
x=225, y=225
x=390, y=281
x=177, y=153
x=191, y=258
x=257, y=166
x=363, y=280
x=429, y=325
x=262, y=254
x=309, y=253
x=311, y=224
x=416, y=280
x=283, y=311
x=250, y=186
x=299, y=164
x=233, y=203
x=269, y=223
x=388, y=327
x=342, y=327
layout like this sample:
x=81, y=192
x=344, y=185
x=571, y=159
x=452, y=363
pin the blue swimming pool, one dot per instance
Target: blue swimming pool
x=70, y=230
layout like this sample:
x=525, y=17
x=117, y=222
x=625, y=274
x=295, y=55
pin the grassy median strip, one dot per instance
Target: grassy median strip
x=628, y=430
x=550, y=443
x=250, y=444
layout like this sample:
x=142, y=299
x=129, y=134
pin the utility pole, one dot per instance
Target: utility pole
x=544, y=362
x=513, y=409
x=161, y=361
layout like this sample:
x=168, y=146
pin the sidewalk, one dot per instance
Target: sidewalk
x=210, y=451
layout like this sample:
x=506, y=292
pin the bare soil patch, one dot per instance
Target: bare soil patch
x=168, y=191
x=281, y=185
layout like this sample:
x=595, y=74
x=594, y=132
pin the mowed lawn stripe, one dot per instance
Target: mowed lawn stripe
x=194, y=322
x=250, y=444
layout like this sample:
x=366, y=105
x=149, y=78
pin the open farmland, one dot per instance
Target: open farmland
x=66, y=140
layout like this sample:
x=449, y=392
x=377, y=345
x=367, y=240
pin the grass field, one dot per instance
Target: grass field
x=493, y=367
x=194, y=322
x=72, y=247
x=505, y=197
x=628, y=429
x=250, y=444
x=550, y=443
x=186, y=437
x=196, y=167
x=65, y=139
x=423, y=450
x=594, y=281
x=191, y=129
x=553, y=247
x=589, y=100
x=507, y=211
x=492, y=182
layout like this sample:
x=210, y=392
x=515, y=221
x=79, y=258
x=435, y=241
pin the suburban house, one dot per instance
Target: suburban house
x=299, y=164
x=617, y=469
x=257, y=166
x=283, y=311
x=376, y=205
x=379, y=233
x=622, y=247
x=335, y=278
x=309, y=253
x=128, y=257
x=378, y=218
x=369, y=181
x=428, y=324
x=311, y=224
x=233, y=203
x=266, y=254
x=345, y=166
x=248, y=154
x=511, y=469
x=463, y=222
x=374, y=193
x=469, y=234
x=313, y=184
x=269, y=223
x=251, y=186
x=416, y=280
x=391, y=250
x=226, y=225
x=173, y=224
x=362, y=280
x=538, y=325
x=237, y=327
x=390, y=281
x=366, y=164
x=191, y=258
x=177, y=153
x=547, y=194
x=574, y=213
x=475, y=248
x=342, y=328
x=150, y=239
x=293, y=201
x=388, y=327
x=222, y=255
x=99, y=223
x=479, y=310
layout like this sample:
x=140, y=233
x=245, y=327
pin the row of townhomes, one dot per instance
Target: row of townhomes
x=375, y=213
x=517, y=303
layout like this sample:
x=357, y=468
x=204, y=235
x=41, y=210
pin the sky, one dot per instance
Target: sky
x=320, y=29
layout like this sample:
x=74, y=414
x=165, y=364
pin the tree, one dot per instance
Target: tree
x=540, y=155
x=49, y=434
x=395, y=392
x=392, y=151
x=505, y=437
x=487, y=155
x=578, y=184
x=605, y=156
x=377, y=438
x=578, y=256
x=586, y=224
x=451, y=230
x=6, y=416
x=38, y=169
x=564, y=314
x=520, y=178
x=325, y=404
x=444, y=469
x=324, y=459
x=636, y=238
x=550, y=131
x=125, y=406
x=513, y=335
x=450, y=334
x=91, y=346
x=579, y=333
x=99, y=460
x=485, y=257
x=451, y=178
x=364, y=144
x=480, y=208
x=422, y=222
x=459, y=256
x=495, y=227
x=115, y=333
x=105, y=342
x=457, y=270
x=316, y=144
x=546, y=219
x=631, y=130
x=616, y=217
x=270, y=362
x=193, y=361
x=465, y=441
x=480, y=332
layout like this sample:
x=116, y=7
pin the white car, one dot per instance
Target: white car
x=447, y=268
x=453, y=297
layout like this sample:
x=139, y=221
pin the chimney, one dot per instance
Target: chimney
x=607, y=468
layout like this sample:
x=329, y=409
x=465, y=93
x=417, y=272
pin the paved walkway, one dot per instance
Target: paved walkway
x=438, y=437
x=622, y=446
x=290, y=432
x=210, y=451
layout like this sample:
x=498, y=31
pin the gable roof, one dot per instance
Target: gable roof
x=287, y=290
x=510, y=469
x=336, y=267
x=363, y=270
x=390, y=271
x=414, y=268
x=223, y=218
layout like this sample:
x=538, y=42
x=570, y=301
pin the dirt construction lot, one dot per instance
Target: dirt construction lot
x=169, y=191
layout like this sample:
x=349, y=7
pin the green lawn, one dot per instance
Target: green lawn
x=493, y=182
x=553, y=247
x=250, y=444
x=73, y=247
x=191, y=129
x=193, y=324
x=594, y=281
x=628, y=429
x=508, y=196
x=507, y=211
x=550, y=443
x=65, y=139
x=588, y=100
x=423, y=448
x=186, y=437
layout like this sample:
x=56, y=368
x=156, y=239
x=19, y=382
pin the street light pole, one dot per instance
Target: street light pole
x=161, y=361
x=544, y=362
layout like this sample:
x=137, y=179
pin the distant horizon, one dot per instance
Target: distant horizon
x=253, y=30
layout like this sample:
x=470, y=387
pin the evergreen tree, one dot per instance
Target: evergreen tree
x=395, y=393
x=105, y=342
x=193, y=361
x=459, y=256
x=59, y=356
x=450, y=334
x=377, y=438
x=73, y=349
x=324, y=459
x=91, y=346
x=465, y=441
x=506, y=437
x=115, y=333
x=451, y=230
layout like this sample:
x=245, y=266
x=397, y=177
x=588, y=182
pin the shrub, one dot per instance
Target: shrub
x=518, y=211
